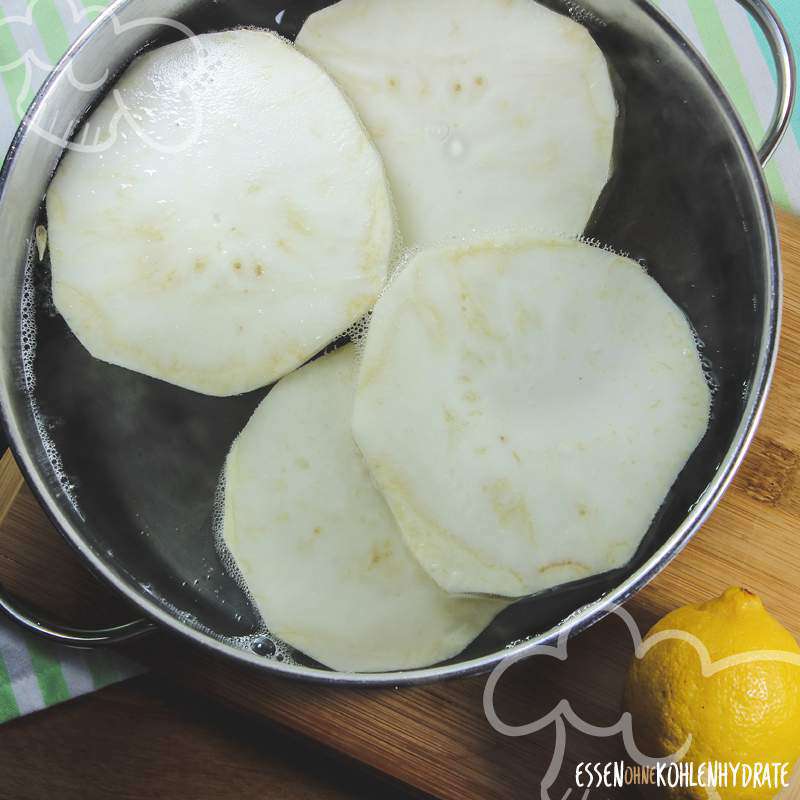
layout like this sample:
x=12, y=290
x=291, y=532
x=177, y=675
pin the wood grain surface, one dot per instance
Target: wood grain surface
x=142, y=739
x=436, y=738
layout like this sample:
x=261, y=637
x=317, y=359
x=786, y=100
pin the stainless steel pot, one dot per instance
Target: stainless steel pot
x=688, y=197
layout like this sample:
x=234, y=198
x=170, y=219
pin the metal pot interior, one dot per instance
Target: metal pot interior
x=141, y=459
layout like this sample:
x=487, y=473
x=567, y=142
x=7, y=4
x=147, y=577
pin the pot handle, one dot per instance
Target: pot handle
x=786, y=69
x=32, y=620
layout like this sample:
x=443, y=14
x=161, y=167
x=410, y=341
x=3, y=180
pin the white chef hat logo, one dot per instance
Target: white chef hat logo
x=84, y=136
x=563, y=715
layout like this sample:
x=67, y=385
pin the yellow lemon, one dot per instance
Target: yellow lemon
x=739, y=701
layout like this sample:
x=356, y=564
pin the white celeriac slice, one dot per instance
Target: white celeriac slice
x=525, y=406
x=232, y=219
x=318, y=548
x=490, y=114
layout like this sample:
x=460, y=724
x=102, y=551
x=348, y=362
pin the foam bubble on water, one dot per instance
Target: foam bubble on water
x=591, y=241
x=582, y=15
x=28, y=322
x=28, y=340
x=706, y=364
x=358, y=331
x=262, y=642
x=220, y=545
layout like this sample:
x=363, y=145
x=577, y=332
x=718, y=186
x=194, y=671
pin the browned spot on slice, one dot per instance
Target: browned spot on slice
x=510, y=508
x=457, y=87
x=199, y=264
x=767, y=471
x=259, y=270
x=237, y=265
x=479, y=80
x=561, y=564
x=379, y=553
x=297, y=220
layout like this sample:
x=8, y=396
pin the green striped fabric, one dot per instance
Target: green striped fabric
x=35, y=674
x=34, y=34
x=734, y=46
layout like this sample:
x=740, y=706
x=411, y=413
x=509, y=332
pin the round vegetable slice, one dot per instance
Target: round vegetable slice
x=233, y=219
x=489, y=115
x=525, y=406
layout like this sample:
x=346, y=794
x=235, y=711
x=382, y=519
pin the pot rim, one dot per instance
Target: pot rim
x=583, y=617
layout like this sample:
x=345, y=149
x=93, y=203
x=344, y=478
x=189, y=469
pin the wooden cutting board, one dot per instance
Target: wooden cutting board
x=436, y=738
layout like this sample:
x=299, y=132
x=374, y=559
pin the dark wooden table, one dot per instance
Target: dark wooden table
x=146, y=740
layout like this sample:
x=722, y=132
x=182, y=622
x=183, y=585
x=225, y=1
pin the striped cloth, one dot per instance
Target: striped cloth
x=732, y=43
x=35, y=674
x=34, y=34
